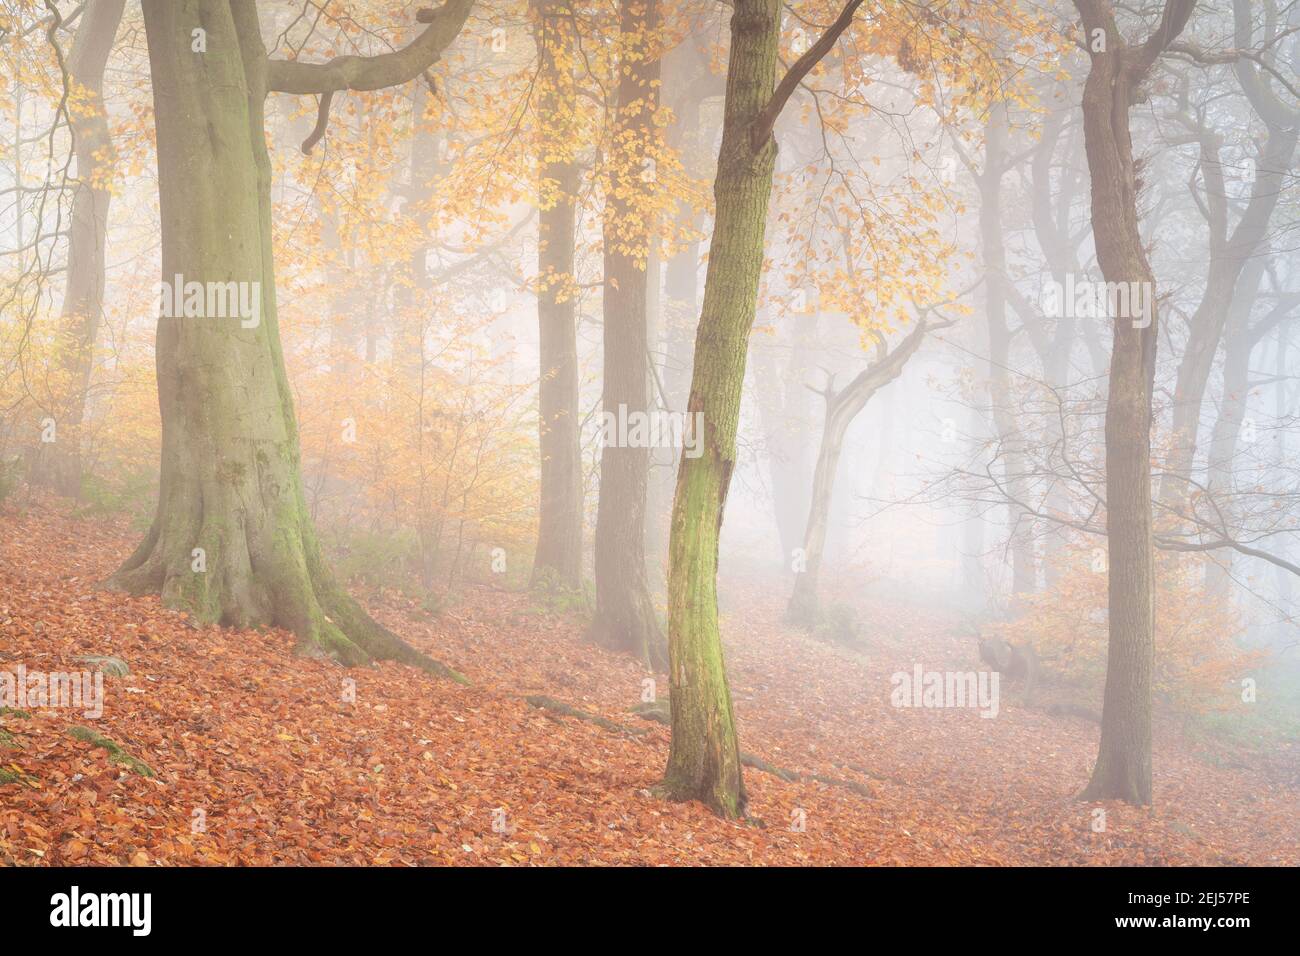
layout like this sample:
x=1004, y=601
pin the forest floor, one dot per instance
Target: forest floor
x=261, y=759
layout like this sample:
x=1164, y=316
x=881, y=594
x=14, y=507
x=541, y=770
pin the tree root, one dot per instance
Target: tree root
x=552, y=705
x=115, y=753
x=1072, y=710
x=657, y=711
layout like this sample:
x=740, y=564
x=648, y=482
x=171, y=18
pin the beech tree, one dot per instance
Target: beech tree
x=83, y=298
x=558, y=560
x=997, y=163
x=704, y=757
x=1114, y=85
x=625, y=615
x=1231, y=248
x=232, y=541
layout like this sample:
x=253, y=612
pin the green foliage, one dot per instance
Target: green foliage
x=838, y=625
x=1272, y=719
x=9, y=472
x=375, y=559
x=133, y=493
x=552, y=594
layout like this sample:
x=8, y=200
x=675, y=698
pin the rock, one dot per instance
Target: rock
x=112, y=666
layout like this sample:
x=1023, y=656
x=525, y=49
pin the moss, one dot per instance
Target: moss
x=14, y=712
x=657, y=710
x=111, y=666
x=115, y=753
x=11, y=776
x=542, y=702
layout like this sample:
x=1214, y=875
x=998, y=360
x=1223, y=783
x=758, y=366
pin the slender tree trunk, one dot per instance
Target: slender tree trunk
x=804, y=606
x=841, y=409
x=625, y=615
x=1001, y=393
x=83, y=301
x=1123, y=769
x=231, y=541
x=1229, y=251
x=1210, y=318
x=704, y=759
x=784, y=410
x=558, y=560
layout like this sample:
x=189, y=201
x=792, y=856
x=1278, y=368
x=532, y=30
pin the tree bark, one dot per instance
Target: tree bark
x=842, y=408
x=625, y=616
x=83, y=302
x=558, y=560
x=231, y=481
x=704, y=758
x=1123, y=768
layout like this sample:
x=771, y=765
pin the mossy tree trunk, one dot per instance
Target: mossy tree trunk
x=558, y=559
x=625, y=615
x=1123, y=769
x=231, y=481
x=688, y=82
x=704, y=757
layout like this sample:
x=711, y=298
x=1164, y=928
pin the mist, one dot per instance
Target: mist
x=646, y=433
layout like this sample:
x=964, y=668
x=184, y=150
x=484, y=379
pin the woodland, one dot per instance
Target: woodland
x=707, y=432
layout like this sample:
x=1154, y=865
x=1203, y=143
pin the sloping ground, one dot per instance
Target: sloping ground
x=262, y=754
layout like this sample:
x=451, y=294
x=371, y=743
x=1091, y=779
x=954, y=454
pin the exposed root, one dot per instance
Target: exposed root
x=658, y=712
x=115, y=753
x=291, y=587
x=552, y=705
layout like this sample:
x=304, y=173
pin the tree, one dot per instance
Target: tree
x=232, y=541
x=1123, y=769
x=997, y=163
x=704, y=757
x=842, y=407
x=83, y=299
x=558, y=560
x=625, y=615
x=1230, y=249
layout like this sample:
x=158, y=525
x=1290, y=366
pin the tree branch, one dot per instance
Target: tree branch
x=766, y=119
x=374, y=72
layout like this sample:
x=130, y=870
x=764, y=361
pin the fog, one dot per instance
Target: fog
x=823, y=402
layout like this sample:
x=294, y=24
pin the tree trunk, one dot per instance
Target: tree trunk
x=558, y=560
x=231, y=481
x=83, y=300
x=1211, y=315
x=784, y=410
x=804, y=607
x=1001, y=394
x=1123, y=769
x=704, y=759
x=1229, y=253
x=625, y=615
x=841, y=409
